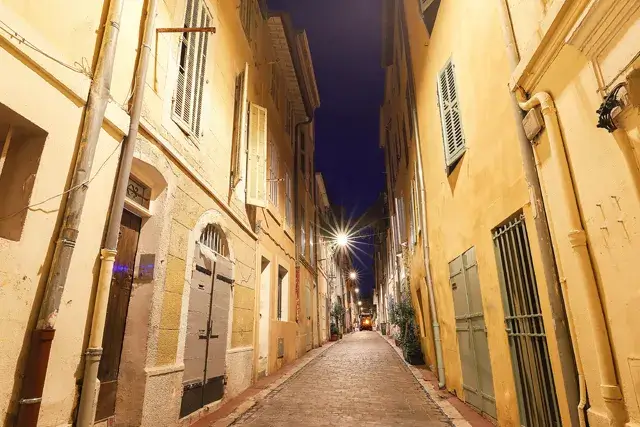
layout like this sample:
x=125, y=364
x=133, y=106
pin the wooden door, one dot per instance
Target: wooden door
x=121, y=282
x=307, y=318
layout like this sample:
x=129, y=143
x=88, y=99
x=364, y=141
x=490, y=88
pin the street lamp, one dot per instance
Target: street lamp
x=353, y=275
x=357, y=290
x=342, y=239
x=360, y=303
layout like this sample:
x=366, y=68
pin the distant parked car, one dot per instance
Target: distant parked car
x=366, y=323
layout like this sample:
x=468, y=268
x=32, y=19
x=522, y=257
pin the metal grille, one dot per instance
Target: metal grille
x=187, y=105
x=525, y=327
x=213, y=238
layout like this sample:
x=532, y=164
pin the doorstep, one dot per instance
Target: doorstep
x=229, y=411
x=460, y=413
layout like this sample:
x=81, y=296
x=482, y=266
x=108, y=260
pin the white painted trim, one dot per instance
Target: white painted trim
x=239, y=350
x=163, y=370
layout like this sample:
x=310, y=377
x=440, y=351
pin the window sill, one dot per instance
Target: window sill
x=451, y=166
x=137, y=209
x=273, y=211
x=289, y=233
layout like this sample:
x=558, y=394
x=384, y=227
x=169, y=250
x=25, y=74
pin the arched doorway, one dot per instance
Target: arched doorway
x=207, y=321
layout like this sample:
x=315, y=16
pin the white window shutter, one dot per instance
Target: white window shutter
x=452, y=134
x=257, y=161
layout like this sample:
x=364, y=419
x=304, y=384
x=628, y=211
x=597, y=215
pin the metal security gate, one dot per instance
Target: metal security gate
x=207, y=323
x=525, y=327
x=477, y=378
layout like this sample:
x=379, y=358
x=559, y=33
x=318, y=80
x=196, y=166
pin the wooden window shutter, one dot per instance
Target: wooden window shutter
x=240, y=124
x=257, y=161
x=452, y=134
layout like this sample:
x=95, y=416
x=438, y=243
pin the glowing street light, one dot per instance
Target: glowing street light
x=353, y=275
x=357, y=290
x=342, y=240
x=360, y=303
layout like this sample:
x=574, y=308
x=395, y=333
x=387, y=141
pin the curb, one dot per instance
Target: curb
x=246, y=406
x=447, y=408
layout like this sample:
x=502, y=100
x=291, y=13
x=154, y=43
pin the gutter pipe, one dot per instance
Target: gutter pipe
x=90, y=382
x=435, y=324
x=559, y=304
x=42, y=337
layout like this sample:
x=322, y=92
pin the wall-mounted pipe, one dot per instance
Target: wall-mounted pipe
x=90, y=382
x=558, y=302
x=435, y=324
x=577, y=238
x=39, y=351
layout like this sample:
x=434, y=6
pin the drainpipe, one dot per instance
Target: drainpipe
x=90, y=383
x=609, y=388
x=435, y=324
x=569, y=360
x=42, y=336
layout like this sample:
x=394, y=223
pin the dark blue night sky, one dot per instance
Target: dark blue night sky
x=345, y=41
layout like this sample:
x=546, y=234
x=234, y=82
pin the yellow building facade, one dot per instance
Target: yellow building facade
x=206, y=202
x=528, y=330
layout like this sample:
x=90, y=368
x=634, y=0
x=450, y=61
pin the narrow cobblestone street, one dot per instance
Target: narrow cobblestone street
x=359, y=381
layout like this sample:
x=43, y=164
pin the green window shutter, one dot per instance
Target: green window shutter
x=452, y=133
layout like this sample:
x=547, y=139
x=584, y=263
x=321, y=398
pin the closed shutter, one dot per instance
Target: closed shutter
x=187, y=106
x=240, y=124
x=453, y=136
x=424, y=4
x=257, y=162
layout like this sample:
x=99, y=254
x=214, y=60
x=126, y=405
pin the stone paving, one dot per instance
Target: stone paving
x=360, y=381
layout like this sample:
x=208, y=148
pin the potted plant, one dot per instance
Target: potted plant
x=337, y=312
x=334, y=332
x=411, y=344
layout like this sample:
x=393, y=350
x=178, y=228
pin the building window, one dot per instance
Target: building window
x=453, y=136
x=288, y=213
x=288, y=118
x=187, y=106
x=213, y=238
x=249, y=11
x=401, y=220
x=405, y=139
x=283, y=294
x=303, y=237
x=312, y=254
x=275, y=85
x=303, y=156
x=138, y=193
x=21, y=145
x=273, y=173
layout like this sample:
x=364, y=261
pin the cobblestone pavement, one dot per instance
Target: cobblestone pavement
x=360, y=381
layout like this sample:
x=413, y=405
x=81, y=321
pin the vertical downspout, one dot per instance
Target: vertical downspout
x=42, y=336
x=577, y=238
x=423, y=201
x=569, y=357
x=90, y=382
